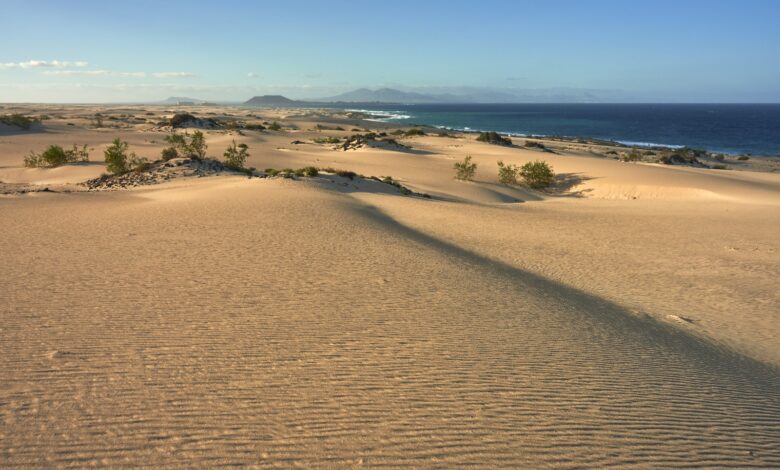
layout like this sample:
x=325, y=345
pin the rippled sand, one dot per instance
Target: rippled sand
x=233, y=321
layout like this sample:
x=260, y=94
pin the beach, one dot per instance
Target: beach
x=627, y=315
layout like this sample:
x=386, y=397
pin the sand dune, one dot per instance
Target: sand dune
x=331, y=323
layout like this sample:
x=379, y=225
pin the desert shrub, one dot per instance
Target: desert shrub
x=494, y=138
x=409, y=132
x=169, y=153
x=346, y=174
x=326, y=140
x=535, y=144
x=55, y=155
x=632, y=156
x=119, y=161
x=236, y=155
x=309, y=171
x=719, y=167
x=272, y=171
x=275, y=126
x=507, y=174
x=743, y=158
x=97, y=122
x=18, y=120
x=537, y=174
x=254, y=127
x=180, y=119
x=186, y=145
x=465, y=170
x=719, y=157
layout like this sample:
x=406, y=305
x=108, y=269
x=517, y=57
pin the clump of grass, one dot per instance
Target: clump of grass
x=494, y=138
x=236, y=155
x=254, y=127
x=719, y=167
x=632, y=156
x=275, y=126
x=743, y=158
x=326, y=140
x=55, y=156
x=537, y=174
x=320, y=127
x=18, y=120
x=465, y=170
x=507, y=174
x=534, y=144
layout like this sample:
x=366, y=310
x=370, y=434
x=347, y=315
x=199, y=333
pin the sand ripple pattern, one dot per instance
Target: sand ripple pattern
x=261, y=324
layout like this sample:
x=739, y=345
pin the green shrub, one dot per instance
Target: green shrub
x=186, y=145
x=743, y=158
x=236, y=155
x=633, y=156
x=18, y=120
x=119, y=161
x=55, y=155
x=537, y=174
x=719, y=167
x=326, y=140
x=272, y=171
x=254, y=127
x=535, y=144
x=494, y=138
x=275, y=126
x=169, y=153
x=507, y=174
x=309, y=171
x=465, y=170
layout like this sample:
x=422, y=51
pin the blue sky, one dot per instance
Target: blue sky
x=93, y=51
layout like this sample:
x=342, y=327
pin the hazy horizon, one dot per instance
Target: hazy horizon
x=660, y=52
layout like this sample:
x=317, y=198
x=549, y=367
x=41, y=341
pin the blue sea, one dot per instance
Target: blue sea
x=728, y=128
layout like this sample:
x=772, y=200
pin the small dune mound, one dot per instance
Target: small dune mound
x=162, y=171
x=187, y=120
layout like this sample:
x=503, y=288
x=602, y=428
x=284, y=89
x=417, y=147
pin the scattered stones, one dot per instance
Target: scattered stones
x=162, y=171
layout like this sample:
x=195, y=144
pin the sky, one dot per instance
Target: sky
x=639, y=51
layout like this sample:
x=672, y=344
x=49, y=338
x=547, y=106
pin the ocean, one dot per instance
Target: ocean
x=752, y=129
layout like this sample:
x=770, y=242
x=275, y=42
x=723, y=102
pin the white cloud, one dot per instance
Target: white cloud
x=173, y=75
x=34, y=64
x=94, y=73
x=251, y=75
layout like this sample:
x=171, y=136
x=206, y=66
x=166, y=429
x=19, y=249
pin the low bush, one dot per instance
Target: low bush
x=507, y=174
x=18, y=120
x=119, y=161
x=185, y=145
x=494, y=138
x=409, y=132
x=326, y=140
x=537, y=174
x=633, y=156
x=535, y=144
x=236, y=155
x=254, y=127
x=719, y=167
x=743, y=158
x=275, y=126
x=55, y=155
x=465, y=170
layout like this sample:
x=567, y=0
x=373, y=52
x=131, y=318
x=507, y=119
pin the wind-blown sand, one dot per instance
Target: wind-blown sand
x=627, y=318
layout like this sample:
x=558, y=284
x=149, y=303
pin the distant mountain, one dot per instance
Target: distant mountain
x=271, y=101
x=383, y=95
x=181, y=99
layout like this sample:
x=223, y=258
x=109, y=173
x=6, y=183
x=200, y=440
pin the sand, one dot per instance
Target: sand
x=627, y=318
